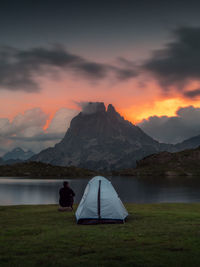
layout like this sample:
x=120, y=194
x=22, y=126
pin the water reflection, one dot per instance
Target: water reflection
x=15, y=191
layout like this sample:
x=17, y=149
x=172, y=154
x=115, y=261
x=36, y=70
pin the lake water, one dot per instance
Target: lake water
x=16, y=191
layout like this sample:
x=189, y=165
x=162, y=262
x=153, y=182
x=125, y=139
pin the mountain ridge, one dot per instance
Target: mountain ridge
x=17, y=154
x=101, y=139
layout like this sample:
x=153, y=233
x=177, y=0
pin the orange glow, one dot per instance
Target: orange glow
x=130, y=99
x=48, y=121
x=166, y=107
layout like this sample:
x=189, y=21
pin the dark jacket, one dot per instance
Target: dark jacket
x=66, y=197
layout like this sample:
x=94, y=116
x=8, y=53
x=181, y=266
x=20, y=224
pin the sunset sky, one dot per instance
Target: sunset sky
x=141, y=56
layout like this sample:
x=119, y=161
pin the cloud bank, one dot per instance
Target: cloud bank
x=173, y=129
x=27, y=130
x=19, y=69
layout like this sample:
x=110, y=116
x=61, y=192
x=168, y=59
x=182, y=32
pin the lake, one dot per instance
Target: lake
x=18, y=191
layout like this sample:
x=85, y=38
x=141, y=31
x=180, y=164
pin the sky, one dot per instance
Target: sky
x=141, y=56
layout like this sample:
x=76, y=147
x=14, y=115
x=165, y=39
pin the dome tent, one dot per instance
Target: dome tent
x=100, y=204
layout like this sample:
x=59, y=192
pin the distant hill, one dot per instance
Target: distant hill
x=183, y=163
x=43, y=170
x=10, y=161
x=1, y=161
x=101, y=139
x=192, y=142
x=18, y=154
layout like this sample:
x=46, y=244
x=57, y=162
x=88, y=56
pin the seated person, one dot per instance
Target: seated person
x=66, y=197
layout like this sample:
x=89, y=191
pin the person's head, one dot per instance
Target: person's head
x=65, y=184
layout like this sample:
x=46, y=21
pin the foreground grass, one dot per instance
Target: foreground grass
x=154, y=235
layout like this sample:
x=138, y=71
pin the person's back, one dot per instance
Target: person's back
x=66, y=196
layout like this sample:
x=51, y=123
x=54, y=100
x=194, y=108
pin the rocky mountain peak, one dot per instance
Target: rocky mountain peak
x=111, y=109
x=95, y=121
x=114, y=115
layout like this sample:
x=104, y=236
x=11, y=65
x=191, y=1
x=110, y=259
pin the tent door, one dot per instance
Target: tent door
x=99, y=200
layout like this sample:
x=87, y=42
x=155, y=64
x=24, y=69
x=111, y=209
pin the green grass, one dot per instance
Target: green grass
x=154, y=235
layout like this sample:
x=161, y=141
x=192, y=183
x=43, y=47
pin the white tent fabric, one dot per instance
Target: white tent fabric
x=100, y=203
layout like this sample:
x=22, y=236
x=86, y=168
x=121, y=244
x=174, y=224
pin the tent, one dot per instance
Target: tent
x=100, y=204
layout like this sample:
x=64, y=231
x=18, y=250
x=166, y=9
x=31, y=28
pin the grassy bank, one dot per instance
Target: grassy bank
x=154, y=235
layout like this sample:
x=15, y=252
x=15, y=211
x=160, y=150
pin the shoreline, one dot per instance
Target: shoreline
x=128, y=205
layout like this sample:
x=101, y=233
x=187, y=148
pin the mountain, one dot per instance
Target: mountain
x=101, y=139
x=18, y=154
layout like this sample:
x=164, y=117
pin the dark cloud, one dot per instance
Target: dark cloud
x=92, y=70
x=124, y=74
x=128, y=68
x=19, y=68
x=193, y=93
x=179, y=62
x=173, y=129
